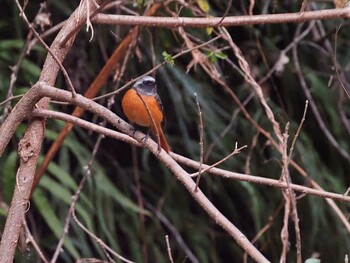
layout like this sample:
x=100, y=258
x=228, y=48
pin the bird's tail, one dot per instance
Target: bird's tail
x=163, y=142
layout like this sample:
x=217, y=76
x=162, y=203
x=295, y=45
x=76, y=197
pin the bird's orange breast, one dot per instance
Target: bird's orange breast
x=136, y=111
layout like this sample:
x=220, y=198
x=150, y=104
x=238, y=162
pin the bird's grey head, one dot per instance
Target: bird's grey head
x=146, y=86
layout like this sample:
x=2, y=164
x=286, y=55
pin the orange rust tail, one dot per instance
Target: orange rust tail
x=163, y=141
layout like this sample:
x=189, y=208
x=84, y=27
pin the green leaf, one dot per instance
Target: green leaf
x=105, y=185
x=9, y=178
x=10, y=44
x=31, y=69
x=51, y=219
x=212, y=57
x=168, y=58
x=220, y=55
x=215, y=55
x=61, y=193
x=138, y=3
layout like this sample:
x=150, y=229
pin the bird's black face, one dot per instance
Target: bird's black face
x=149, y=82
x=146, y=86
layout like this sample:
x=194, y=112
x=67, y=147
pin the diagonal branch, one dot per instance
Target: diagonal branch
x=190, y=163
x=176, y=169
x=30, y=144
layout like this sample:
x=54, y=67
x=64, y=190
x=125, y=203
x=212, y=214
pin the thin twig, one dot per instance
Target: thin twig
x=155, y=68
x=13, y=79
x=290, y=203
x=336, y=64
x=98, y=240
x=175, y=233
x=291, y=149
x=47, y=33
x=251, y=7
x=226, y=12
x=262, y=180
x=75, y=198
x=283, y=53
x=303, y=6
x=201, y=150
x=31, y=239
x=228, y=127
x=313, y=106
x=250, y=80
x=267, y=226
x=250, y=153
x=81, y=22
x=10, y=99
x=288, y=196
x=64, y=72
x=207, y=169
x=169, y=249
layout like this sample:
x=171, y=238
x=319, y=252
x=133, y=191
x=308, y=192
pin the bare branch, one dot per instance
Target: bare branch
x=214, y=22
x=313, y=106
x=169, y=249
x=53, y=54
x=31, y=142
x=201, y=150
x=262, y=180
x=182, y=175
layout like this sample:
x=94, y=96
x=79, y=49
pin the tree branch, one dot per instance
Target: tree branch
x=261, y=180
x=216, y=21
x=30, y=144
x=181, y=174
x=189, y=162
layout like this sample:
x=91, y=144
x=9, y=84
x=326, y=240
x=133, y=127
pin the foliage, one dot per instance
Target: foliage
x=108, y=205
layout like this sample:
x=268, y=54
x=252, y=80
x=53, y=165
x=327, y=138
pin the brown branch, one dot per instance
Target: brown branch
x=234, y=152
x=98, y=240
x=227, y=21
x=181, y=159
x=313, y=106
x=169, y=249
x=282, y=57
x=30, y=239
x=172, y=229
x=93, y=89
x=31, y=142
x=290, y=204
x=61, y=95
x=212, y=71
x=226, y=12
x=157, y=67
x=261, y=180
x=42, y=113
x=43, y=43
x=245, y=67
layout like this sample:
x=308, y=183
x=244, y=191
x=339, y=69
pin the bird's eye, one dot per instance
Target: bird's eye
x=148, y=82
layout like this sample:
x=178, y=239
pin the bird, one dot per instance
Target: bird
x=142, y=105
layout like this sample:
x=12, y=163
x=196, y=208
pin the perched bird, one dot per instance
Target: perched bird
x=142, y=105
